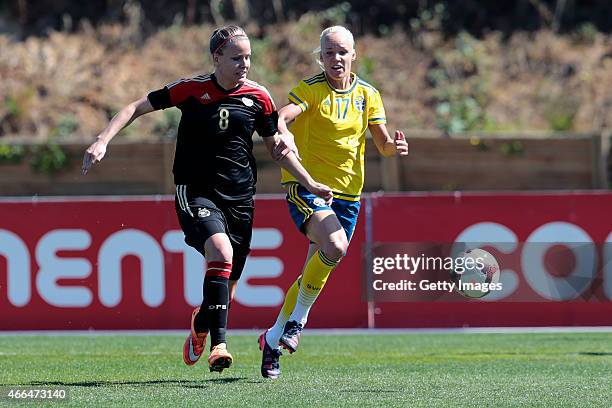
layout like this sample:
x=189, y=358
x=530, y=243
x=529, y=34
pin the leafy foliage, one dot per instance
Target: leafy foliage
x=66, y=85
x=11, y=154
x=48, y=158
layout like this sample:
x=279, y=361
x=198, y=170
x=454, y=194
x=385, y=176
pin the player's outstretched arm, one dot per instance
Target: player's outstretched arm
x=289, y=161
x=385, y=144
x=96, y=151
x=286, y=115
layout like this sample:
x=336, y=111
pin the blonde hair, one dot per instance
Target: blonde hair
x=223, y=35
x=326, y=33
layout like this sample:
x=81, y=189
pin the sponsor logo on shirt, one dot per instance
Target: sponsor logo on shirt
x=319, y=202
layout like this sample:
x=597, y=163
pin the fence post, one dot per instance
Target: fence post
x=369, y=247
x=603, y=158
x=389, y=168
x=168, y=178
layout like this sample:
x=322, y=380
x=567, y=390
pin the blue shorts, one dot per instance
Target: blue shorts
x=302, y=204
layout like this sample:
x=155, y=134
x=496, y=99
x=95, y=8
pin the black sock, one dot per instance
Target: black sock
x=215, y=303
x=216, y=299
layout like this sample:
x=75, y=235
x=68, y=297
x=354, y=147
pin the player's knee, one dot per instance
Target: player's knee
x=219, y=252
x=336, y=249
x=225, y=254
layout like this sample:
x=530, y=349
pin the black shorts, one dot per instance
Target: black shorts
x=202, y=216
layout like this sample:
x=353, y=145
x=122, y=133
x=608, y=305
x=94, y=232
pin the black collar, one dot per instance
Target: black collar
x=219, y=87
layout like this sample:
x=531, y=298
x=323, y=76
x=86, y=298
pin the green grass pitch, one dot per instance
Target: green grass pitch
x=418, y=370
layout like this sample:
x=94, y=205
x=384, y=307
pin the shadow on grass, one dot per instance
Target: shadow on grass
x=171, y=383
x=595, y=353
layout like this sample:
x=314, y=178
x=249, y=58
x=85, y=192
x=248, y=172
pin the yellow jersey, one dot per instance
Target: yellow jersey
x=330, y=132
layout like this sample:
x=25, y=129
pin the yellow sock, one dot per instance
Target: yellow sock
x=290, y=299
x=316, y=272
x=319, y=272
x=275, y=332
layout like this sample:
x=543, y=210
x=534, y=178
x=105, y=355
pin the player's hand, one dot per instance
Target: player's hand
x=284, y=145
x=322, y=191
x=93, y=154
x=401, y=145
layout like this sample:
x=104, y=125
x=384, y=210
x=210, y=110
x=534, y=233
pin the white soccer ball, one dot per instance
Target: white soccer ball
x=475, y=273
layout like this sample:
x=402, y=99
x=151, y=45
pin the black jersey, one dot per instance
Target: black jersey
x=214, y=146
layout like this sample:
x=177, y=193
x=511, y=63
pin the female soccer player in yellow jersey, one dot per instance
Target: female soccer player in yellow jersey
x=331, y=112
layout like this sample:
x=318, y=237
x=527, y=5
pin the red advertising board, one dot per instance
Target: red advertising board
x=520, y=223
x=121, y=263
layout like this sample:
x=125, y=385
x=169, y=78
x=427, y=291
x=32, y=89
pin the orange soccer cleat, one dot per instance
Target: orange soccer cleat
x=194, y=343
x=219, y=358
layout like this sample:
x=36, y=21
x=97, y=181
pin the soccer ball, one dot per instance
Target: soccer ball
x=475, y=273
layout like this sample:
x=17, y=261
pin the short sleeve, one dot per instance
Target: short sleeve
x=376, y=110
x=266, y=123
x=172, y=94
x=267, y=103
x=301, y=96
x=160, y=99
x=181, y=90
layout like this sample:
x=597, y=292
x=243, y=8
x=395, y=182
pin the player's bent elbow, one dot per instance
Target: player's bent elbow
x=279, y=157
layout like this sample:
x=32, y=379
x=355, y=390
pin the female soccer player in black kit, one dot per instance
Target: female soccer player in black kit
x=214, y=172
